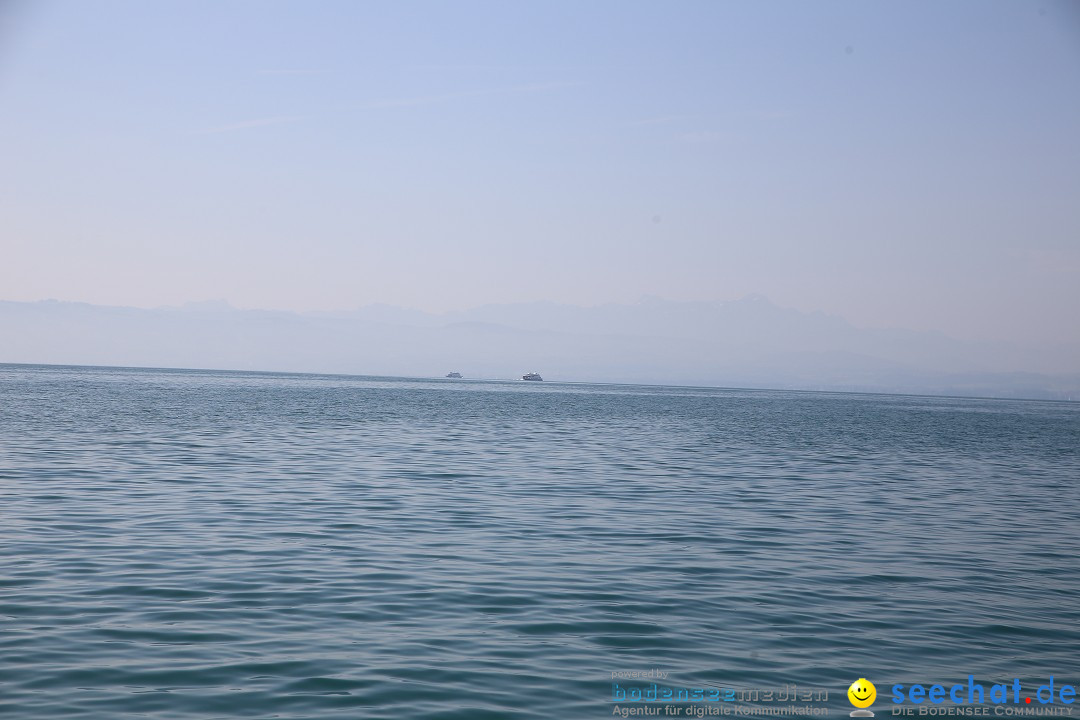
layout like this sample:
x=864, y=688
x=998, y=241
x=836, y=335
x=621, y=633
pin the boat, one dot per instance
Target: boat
x=531, y=376
x=453, y=375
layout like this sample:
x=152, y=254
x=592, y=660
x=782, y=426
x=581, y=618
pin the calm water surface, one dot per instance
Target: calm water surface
x=180, y=544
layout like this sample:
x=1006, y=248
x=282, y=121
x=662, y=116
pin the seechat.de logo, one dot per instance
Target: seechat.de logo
x=975, y=693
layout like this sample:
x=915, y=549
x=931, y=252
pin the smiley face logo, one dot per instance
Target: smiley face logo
x=862, y=693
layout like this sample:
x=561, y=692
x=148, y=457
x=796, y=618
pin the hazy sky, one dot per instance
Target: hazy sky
x=898, y=163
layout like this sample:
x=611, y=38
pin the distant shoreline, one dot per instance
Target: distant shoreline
x=512, y=380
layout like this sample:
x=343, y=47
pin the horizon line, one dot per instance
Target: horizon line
x=413, y=378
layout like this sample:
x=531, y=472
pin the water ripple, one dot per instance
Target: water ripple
x=223, y=545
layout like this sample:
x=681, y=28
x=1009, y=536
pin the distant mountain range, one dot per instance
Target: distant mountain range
x=745, y=343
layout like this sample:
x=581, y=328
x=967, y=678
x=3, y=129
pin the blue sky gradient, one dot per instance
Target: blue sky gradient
x=900, y=164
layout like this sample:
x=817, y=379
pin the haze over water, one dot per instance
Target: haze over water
x=183, y=544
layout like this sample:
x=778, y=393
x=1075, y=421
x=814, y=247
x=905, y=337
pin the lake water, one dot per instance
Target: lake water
x=184, y=544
